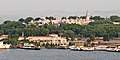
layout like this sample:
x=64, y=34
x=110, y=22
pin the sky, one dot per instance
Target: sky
x=33, y=7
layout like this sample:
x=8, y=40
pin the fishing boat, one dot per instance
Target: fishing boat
x=30, y=47
x=4, y=46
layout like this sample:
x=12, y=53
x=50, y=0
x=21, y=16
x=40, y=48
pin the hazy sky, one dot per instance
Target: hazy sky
x=64, y=5
x=8, y=7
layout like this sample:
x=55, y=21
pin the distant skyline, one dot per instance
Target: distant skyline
x=24, y=8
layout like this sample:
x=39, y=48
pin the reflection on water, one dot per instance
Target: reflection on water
x=2, y=50
x=55, y=54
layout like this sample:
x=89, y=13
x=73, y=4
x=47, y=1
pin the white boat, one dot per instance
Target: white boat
x=63, y=47
x=30, y=47
x=114, y=49
x=88, y=48
x=101, y=48
x=74, y=48
x=4, y=46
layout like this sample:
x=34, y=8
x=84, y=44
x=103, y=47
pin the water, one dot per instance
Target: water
x=57, y=54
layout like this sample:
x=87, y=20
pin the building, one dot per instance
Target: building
x=79, y=21
x=3, y=37
x=51, y=39
x=116, y=22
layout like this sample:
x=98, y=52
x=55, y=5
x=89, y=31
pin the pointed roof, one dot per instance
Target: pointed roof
x=87, y=13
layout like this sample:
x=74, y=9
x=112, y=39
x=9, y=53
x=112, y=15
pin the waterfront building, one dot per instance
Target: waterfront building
x=51, y=39
x=3, y=37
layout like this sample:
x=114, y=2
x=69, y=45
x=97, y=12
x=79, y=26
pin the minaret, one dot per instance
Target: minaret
x=87, y=16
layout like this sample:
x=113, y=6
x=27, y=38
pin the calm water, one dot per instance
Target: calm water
x=55, y=54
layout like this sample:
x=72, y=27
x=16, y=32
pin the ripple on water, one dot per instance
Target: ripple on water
x=55, y=54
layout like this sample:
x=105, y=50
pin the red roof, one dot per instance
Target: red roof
x=84, y=39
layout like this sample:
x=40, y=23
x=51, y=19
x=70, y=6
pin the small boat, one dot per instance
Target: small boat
x=4, y=46
x=30, y=47
x=101, y=48
x=88, y=48
x=75, y=48
x=63, y=47
x=114, y=49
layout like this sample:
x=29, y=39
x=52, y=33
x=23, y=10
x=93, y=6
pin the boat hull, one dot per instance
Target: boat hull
x=31, y=48
x=87, y=49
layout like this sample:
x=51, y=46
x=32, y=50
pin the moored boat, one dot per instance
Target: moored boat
x=101, y=48
x=75, y=48
x=114, y=49
x=87, y=48
x=30, y=47
x=63, y=47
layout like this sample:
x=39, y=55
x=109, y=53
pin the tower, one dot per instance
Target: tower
x=87, y=16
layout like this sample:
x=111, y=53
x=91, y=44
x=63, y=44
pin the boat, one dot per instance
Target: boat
x=75, y=48
x=30, y=47
x=4, y=46
x=101, y=48
x=63, y=47
x=87, y=48
x=114, y=49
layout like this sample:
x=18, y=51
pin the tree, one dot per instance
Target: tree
x=106, y=37
x=115, y=18
x=28, y=19
x=6, y=22
x=92, y=36
x=97, y=18
x=21, y=20
x=73, y=17
x=71, y=34
x=63, y=18
x=13, y=41
x=38, y=18
x=50, y=18
x=83, y=17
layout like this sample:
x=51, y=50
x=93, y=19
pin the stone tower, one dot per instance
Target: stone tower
x=87, y=16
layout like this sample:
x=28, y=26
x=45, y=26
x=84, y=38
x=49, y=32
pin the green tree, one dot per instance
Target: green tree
x=106, y=37
x=28, y=19
x=115, y=18
x=21, y=20
x=71, y=34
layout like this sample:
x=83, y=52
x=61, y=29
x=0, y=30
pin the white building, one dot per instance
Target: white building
x=79, y=21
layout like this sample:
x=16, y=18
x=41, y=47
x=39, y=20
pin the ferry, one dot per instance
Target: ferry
x=4, y=46
x=30, y=47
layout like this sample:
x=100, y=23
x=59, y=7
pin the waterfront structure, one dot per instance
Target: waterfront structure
x=51, y=39
x=21, y=38
x=2, y=45
x=3, y=37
